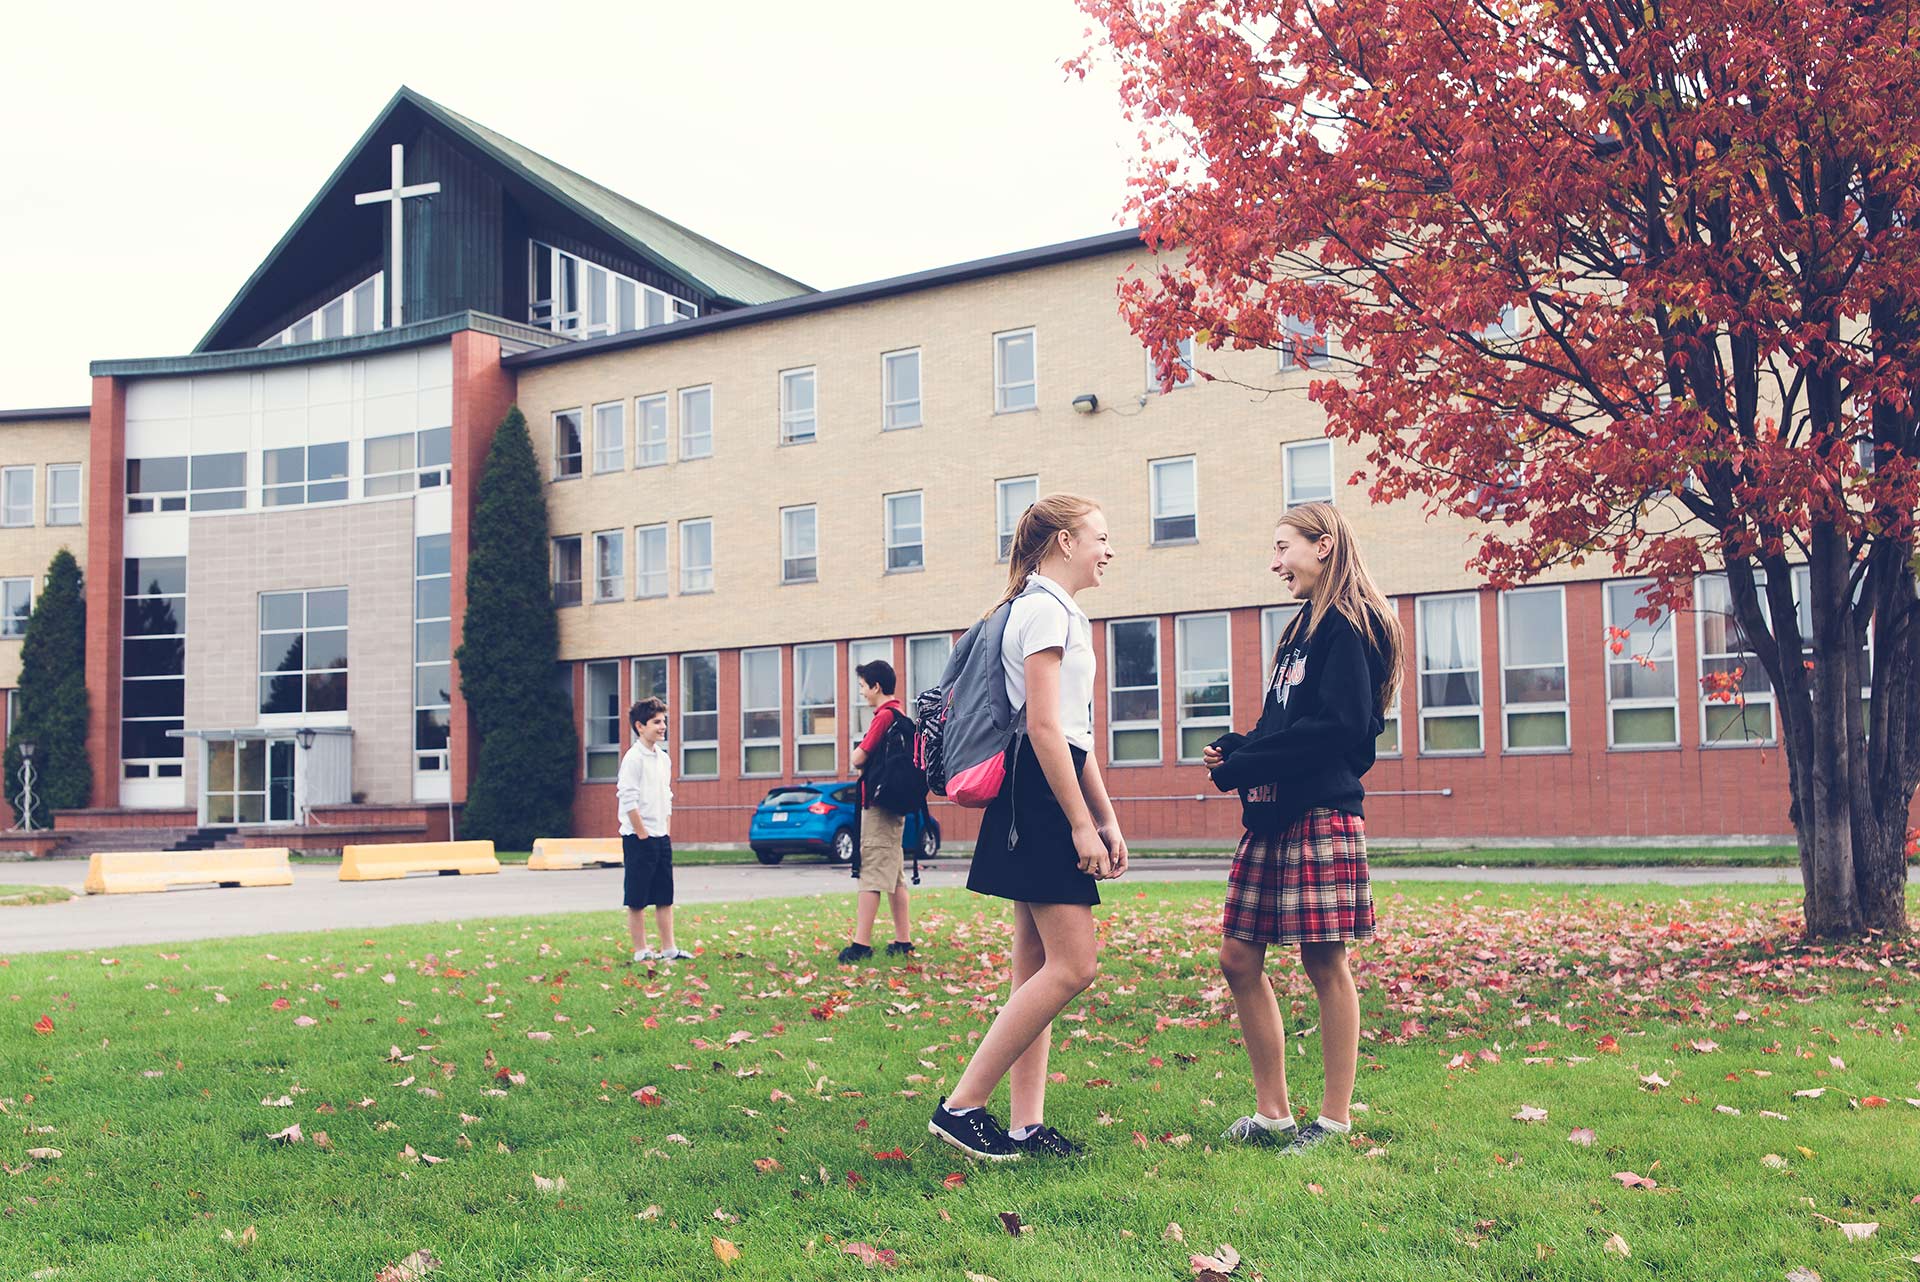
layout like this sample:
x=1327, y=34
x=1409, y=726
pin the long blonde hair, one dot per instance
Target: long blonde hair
x=1034, y=535
x=1344, y=585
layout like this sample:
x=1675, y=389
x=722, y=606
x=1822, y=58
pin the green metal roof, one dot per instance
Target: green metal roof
x=412, y=334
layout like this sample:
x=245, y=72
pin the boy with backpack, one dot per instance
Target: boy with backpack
x=885, y=762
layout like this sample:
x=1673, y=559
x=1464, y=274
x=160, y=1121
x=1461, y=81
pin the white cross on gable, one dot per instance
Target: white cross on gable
x=398, y=192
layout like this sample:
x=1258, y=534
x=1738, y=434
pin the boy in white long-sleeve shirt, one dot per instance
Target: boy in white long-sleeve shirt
x=645, y=795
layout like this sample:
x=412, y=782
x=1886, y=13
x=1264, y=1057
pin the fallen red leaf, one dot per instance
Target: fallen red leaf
x=44, y=1025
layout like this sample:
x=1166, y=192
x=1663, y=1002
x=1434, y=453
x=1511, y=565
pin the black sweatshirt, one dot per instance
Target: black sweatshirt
x=1315, y=737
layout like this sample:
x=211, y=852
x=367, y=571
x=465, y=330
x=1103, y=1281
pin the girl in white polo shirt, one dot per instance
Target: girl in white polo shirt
x=1049, y=836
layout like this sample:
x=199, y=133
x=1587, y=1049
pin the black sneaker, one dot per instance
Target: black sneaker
x=1312, y=1135
x=854, y=953
x=900, y=948
x=1047, y=1142
x=1250, y=1132
x=974, y=1133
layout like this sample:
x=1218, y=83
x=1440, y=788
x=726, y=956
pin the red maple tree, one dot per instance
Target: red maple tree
x=1628, y=282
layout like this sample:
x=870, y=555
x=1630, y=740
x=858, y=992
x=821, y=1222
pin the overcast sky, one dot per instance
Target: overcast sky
x=153, y=154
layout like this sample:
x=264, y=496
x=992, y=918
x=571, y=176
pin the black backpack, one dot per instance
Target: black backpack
x=895, y=782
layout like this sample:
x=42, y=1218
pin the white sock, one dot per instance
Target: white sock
x=1022, y=1132
x=1266, y=1123
x=962, y=1112
x=1338, y=1128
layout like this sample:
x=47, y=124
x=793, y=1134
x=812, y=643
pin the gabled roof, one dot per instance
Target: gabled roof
x=718, y=271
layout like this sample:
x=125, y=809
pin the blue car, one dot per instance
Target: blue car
x=823, y=819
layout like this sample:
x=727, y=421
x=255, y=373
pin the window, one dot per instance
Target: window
x=1643, y=710
x=1302, y=345
x=650, y=679
x=566, y=444
x=1274, y=621
x=157, y=484
x=1182, y=369
x=696, y=422
x=1015, y=372
x=1309, y=471
x=16, y=496
x=566, y=570
x=218, y=482
x=63, y=494
x=361, y=310
x=906, y=547
x=1748, y=716
x=610, y=437
x=1133, y=692
x=303, y=651
x=1533, y=669
x=153, y=656
x=1449, y=646
x=432, y=652
x=859, y=652
x=16, y=606
x=1506, y=327
x=797, y=420
x=799, y=545
x=1204, y=658
x=700, y=716
x=1175, y=503
x=900, y=390
x=650, y=561
x=396, y=464
x=1388, y=744
x=650, y=431
x=610, y=565
x=603, y=719
x=304, y=474
x=816, y=709
x=760, y=712
x=1011, y=498
x=1803, y=613
x=696, y=555
x=926, y=663
x=569, y=295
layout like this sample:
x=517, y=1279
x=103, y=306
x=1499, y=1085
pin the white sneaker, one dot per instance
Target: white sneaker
x=675, y=954
x=645, y=955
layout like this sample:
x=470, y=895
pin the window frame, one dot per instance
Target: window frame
x=890, y=402
x=788, y=541
x=600, y=452
x=904, y=685
x=802, y=739
x=791, y=418
x=687, y=566
x=665, y=572
x=1005, y=535
x=79, y=494
x=261, y=632
x=1509, y=707
x=1701, y=657
x=641, y=445
x=866, y=650
x=170, y=765
x=1185, y=361
x=686, y=395
x=157, y=501
x=431, y=760
x=660, y=691
x=1001, y=387
x=1611, y=660
x=13, y=625
x=618, y=539
x=712, y=657
x=1317, y=349
x=1182, y=722
x=1115, y=725
x=1289, y=494
x=579, y=441
x=890, y=531
x=590, y=750
x=748, y=708
x=1154, y=493
x=559, y=584
x=1422, y=672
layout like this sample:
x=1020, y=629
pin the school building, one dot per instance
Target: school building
x=754, y=486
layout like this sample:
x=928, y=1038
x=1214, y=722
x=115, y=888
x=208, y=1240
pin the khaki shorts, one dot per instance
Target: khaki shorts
x=882, y=863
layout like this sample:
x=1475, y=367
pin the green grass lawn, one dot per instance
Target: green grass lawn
x=1592, y=857
x=27, y=896
x=766, y=1098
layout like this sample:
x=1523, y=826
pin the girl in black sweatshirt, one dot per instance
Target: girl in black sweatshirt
x=1300, y=876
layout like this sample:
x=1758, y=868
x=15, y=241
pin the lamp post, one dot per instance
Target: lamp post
x=25, y=821
x=304, y=736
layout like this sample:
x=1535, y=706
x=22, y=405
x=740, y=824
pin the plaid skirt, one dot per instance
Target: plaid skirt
x=1306, y=884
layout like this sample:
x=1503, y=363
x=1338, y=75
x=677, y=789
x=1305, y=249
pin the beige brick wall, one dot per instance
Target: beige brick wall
x=366, y=548
x=1235, y=430
x=26, y=550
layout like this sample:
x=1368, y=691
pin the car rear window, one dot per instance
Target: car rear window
x=792, y=797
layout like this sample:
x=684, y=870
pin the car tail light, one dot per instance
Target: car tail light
x=819, y=808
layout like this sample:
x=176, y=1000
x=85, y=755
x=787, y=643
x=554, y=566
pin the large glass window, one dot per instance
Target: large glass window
x=603, y=719
x=566, y=570
x=1302, y=344
x=610, y=437
x=1011, y=499
x=650, y=679
x=1274, y=622
x=304, y=474
x=1308, y=466
x=396, y=464
x=303, y=651
x=153, y=658
x=16, y=496
x=696, y=555
x=218, y=482
x=650, y=561
x=926, y=663
x=1015, y=372
x=816, y=710
x=696, y=422
x=157, y=484
x=361, y=310
x=432, y=652
x=1176, y=511
x=799, y=545
x=798, y=421
x=1747, y=716
x=906, y=532
x=760, y=712
x=1533, y=668
x=63, y=494
x=16, y=606
x=569, y=295
x=1203, y=646
x=900, y=389
x=700, y=716
x=1642, y=695
x=610, y=565
x=566, y=444
x=859, y=652
x=650, y=431
x=1449, y=646
x=1133, y=691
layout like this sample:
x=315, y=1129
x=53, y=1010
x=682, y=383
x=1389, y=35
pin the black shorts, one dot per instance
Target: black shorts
x=649, y=870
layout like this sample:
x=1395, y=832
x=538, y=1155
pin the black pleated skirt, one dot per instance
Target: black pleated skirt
x=1025, y=849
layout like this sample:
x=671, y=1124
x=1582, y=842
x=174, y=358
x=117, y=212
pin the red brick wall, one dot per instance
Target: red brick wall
x=482, y=394
x=106, y=524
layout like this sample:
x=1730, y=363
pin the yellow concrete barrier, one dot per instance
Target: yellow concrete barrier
x=397, y=859
x=550, y=853
x=124, y=872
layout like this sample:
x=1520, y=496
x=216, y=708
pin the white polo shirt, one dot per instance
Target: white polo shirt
x=644, y=785
x=1037, y=624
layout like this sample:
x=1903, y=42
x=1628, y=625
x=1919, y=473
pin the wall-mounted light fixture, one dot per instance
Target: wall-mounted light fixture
x=1086, y=403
